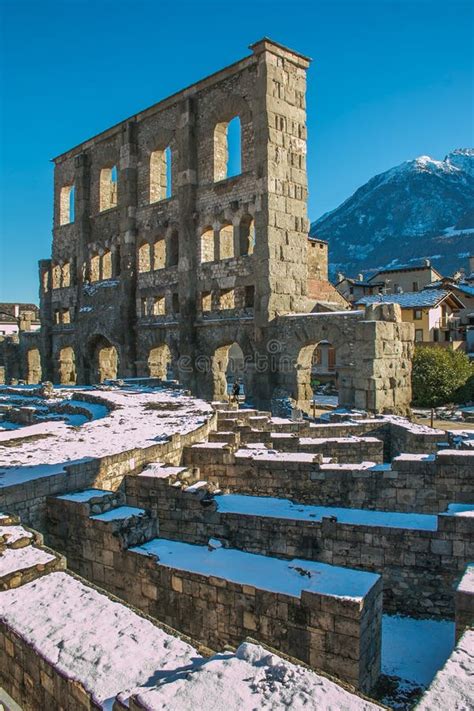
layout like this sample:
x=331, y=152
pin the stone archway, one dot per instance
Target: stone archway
x=103, y=360
x=33, y=363
x=316, y=362
x=67, y=366
x=159, y=359
x=227, y=365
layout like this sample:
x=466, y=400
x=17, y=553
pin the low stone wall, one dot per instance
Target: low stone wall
x=412, y=483
x=398, y=435
x=419, y=567
x=339, y=636
x=34, y=682
x=93, y=547
x=28, y=499
x=349, y=450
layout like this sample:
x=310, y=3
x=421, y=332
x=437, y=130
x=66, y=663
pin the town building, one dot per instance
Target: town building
x=18, y=317
x=406, y=277
x=434, y=314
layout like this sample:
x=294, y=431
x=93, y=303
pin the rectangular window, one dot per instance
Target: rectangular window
x=417, y=314
x=158, y=306
x=66, y=204
x=108, y=188
x=419, y=335
x=144, y=307
x=66, y=316
x=226, y=299
x=415, y=286
x=206, y=301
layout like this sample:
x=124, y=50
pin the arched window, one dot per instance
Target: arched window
x=207, y=245
x=159, y=254
x=108, y=188
x=144, y=257
x=160, y=175
x=159, y=306
x=66, y=204
x=226, y=242
x=66, y=274
x=94, y=268
x=246, y=235
x=56, y=276
x=107, y=265
x=227, y=149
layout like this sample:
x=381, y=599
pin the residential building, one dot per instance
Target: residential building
x=16, y=317
x=433, y=312
x=406, y=277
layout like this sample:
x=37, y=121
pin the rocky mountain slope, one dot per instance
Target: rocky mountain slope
x=423, y=208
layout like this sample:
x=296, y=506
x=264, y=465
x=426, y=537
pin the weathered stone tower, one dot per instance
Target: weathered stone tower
x=161, y=256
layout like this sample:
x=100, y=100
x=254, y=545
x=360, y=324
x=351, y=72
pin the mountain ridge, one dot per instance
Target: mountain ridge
x=420, y=209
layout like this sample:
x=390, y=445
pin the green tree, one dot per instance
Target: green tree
x=438, y=375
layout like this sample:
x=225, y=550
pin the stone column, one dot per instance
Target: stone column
x=187, y=267
x=127, y=202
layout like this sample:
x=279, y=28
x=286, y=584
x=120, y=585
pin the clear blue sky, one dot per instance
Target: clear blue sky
x=390, y=80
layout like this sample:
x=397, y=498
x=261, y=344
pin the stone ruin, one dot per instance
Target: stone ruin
x=293, y=537
x=197, y=551
x=163, y=259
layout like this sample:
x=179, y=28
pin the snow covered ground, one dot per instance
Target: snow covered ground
x=49, y=410
x=286, y=509
x=251, y=679
x=138, y=418
x=92, y=639
x=263, y=572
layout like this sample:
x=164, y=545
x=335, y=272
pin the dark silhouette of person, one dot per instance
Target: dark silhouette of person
x=235, y=391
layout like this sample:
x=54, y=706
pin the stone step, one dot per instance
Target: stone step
x=23, y=558
x=96, y=501
x=158, y=470
x=130, y=524
x=204, y=453
x=15, y=536
x=232, y=438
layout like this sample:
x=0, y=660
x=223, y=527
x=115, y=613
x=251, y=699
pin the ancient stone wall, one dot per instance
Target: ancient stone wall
x=34, y=682
x=341, y=636
x=29, y=502
x=418, y=567
x=412, y=483
x=167, y=255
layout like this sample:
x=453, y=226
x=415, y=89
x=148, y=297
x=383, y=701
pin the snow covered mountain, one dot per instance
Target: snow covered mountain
x=423, y=208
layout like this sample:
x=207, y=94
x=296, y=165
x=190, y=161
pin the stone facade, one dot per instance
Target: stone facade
x=167, y=261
